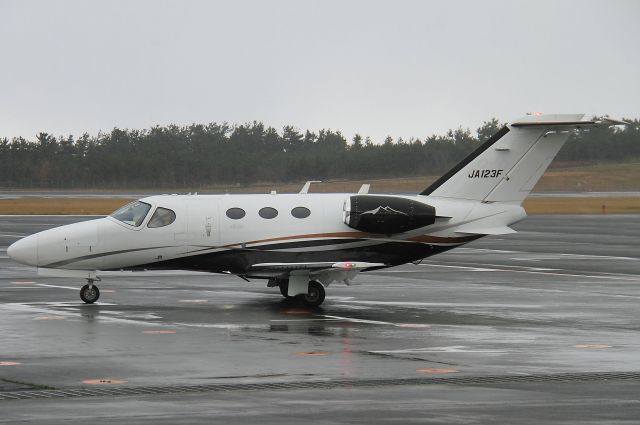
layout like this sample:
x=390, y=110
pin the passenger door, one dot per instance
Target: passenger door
x=202, y=229
x=162, y=239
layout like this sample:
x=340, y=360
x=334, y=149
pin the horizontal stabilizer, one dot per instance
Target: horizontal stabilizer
x=564, y=120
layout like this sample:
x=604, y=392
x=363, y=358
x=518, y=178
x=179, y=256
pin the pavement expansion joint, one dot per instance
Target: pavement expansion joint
x=310, y=385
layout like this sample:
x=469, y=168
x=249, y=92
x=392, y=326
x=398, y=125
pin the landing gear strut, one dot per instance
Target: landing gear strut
x=89, y=293
x=284, y=287
x=281, y=283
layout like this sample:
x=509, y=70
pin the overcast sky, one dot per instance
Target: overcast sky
x=400, y=68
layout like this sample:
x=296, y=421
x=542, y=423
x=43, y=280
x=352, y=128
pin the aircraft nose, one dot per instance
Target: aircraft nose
x=25, y=250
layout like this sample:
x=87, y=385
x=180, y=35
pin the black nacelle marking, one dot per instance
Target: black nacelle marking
x=387, y=215
x=483, y=174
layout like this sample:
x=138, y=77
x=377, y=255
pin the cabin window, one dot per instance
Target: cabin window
x=235, y=213
x=162, y=217
x=300, y=212
x=268, y=212
x=132, y=214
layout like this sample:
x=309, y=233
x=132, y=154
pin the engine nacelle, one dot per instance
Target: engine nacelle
x=386, y=214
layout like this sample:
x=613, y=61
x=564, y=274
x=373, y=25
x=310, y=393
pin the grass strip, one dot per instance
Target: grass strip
x=104, y=206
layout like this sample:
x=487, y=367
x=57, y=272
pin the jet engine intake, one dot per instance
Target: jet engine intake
x=386, y=214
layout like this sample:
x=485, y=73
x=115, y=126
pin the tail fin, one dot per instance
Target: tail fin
x=507, y=166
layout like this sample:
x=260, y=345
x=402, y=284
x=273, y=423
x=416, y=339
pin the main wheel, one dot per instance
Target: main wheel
x=284, y=288
x=316, y=294
x=89, y=293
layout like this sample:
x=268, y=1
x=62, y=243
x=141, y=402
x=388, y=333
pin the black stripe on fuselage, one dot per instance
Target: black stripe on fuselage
x=289, y=245
x=473, y=155
x=239, y=261
x=98, y=255
x=299, y=244
x=270, y=250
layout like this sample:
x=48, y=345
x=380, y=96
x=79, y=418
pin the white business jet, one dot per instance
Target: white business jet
x=304, y=242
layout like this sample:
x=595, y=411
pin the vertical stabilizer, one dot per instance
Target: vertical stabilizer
x=507, y=166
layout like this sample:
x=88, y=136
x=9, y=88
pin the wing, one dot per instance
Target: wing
x=326, y=271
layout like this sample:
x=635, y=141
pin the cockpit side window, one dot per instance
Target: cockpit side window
x=132, y=214
x=162, y=217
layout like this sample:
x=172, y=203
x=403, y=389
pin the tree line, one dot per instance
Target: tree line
x=199, y=155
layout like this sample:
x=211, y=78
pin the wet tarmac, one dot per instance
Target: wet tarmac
x=540, y=326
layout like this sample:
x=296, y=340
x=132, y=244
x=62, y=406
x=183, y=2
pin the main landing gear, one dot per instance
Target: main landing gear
x=89, y=293
x=316, y=294
x=313, y=298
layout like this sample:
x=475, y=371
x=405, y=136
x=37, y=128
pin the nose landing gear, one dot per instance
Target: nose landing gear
x=89, y=293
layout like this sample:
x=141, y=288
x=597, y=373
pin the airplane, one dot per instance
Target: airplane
x=304, y=242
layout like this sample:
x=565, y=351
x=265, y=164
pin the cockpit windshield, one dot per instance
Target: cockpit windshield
x=132, y=214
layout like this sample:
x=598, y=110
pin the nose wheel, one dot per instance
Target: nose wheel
x=89, y=293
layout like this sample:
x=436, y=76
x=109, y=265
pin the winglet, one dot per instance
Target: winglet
x=305, y=188
x=364, y=189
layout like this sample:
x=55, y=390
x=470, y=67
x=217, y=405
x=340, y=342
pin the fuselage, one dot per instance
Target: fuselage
x=229, y=233
x=303, y=242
